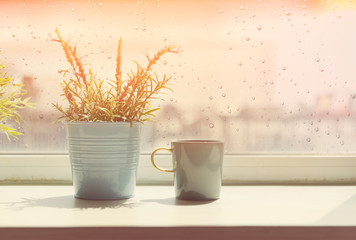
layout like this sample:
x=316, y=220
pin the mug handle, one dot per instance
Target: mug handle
x=155, y=165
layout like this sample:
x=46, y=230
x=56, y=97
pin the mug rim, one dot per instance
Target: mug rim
x=197, y=141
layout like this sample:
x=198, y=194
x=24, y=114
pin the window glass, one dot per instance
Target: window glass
x=264, y=76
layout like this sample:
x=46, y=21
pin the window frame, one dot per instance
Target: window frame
x=238, y=169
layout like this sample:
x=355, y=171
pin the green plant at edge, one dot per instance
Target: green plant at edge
x=119, y=100
x=11, y=100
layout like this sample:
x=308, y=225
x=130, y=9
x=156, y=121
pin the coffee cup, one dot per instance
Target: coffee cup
x=197, y=168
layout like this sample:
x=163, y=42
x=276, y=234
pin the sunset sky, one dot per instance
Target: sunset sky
x=251, y=52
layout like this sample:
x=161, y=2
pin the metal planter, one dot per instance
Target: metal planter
x=104, y=158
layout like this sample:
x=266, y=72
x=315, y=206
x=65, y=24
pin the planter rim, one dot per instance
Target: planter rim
x=198, y=141
x=99, y=123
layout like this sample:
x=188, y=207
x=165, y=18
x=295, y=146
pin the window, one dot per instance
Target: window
x=264, y=76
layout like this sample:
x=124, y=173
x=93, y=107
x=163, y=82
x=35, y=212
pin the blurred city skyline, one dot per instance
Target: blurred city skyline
x=316, y=127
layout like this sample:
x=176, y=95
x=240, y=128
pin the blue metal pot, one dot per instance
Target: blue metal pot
x=104, y=158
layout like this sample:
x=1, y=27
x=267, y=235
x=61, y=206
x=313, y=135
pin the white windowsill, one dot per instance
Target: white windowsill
x=155, y=206
x=243, y=212
x=246, y=209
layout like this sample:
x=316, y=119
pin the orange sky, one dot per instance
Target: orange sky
x=241, y=45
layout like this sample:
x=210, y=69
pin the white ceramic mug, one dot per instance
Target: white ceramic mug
x=197, y=166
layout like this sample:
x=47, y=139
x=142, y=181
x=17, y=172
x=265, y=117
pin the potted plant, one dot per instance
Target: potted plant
x=11, y=101
x=103, y=122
